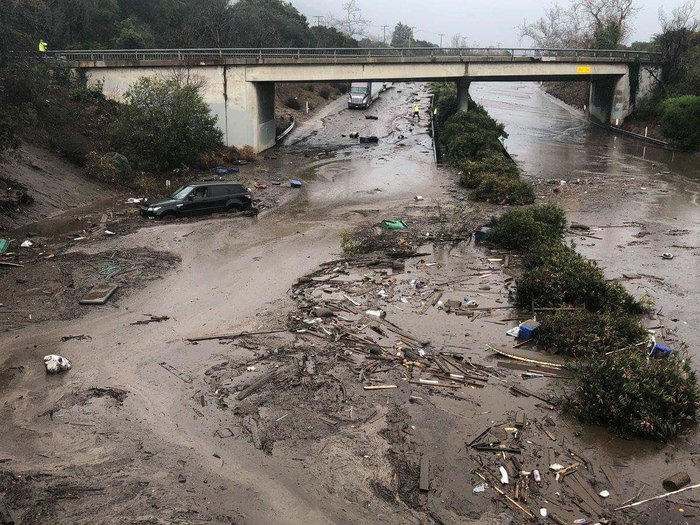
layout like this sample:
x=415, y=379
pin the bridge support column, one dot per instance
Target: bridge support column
x=249, y=116
x=463, y=94
x=609, y=101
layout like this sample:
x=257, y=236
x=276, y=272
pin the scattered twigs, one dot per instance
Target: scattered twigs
x=506, y=496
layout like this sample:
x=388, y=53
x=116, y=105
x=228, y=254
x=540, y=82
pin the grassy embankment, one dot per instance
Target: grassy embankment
x=617, y=384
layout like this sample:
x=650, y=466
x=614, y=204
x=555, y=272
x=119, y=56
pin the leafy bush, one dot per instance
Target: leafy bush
x=112, y=168
x=494, y=164
x=680, y=120
x=165, y=125
x=636, y=395
x=324, y=93
x=292, y=103
x=501, y=189
x=84, y=93
x=471, y=135
x=555, y=275
x=580, y=333
x=523, y=229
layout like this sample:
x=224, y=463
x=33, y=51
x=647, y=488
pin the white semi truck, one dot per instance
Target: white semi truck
x=362, y=94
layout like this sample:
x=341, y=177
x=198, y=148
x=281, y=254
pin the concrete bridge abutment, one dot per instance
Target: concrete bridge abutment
x=244, y=110
x=463, y=94
x=612, y=99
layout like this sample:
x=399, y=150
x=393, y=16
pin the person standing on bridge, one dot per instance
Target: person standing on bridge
x=416, y=111
x=43, y=46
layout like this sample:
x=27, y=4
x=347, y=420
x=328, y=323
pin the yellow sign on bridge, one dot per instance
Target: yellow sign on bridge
x=583, y=70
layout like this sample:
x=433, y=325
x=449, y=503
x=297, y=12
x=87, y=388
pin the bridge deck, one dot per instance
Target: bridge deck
x=284, y=56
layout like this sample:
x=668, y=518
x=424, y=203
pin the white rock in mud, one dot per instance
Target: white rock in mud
x=56, y=363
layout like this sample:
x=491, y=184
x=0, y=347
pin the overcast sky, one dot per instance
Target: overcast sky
x=483, y=22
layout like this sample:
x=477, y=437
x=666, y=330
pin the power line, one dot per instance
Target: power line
x=318, y=19
x=384, y=28
x=441, y=35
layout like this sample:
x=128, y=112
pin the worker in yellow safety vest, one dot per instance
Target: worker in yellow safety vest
x=43, y=46
x=416, y=112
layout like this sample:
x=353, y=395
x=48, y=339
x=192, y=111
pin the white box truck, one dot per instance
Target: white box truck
x=362, y=94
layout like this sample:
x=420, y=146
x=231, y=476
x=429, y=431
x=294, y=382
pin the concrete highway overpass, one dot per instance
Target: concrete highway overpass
x=239, y=84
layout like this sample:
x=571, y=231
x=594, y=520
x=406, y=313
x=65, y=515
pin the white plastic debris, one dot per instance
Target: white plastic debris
x=27, y=244
x=504, y=475
x=665, y=255
x=250, y=369
x=543, y=512
x=604, y=494
x=107, y=232
x=556, y=467
x=536, y=475
x=56, y=363
x=133, y=200
x=480, y=488
x=418, y=198
x=379, y=314
x=471, y=304
x=513, y=332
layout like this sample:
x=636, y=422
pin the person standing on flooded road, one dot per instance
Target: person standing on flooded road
x=416, y=112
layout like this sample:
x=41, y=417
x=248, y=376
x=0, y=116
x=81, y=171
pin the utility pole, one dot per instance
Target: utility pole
x=318, y=20
x=441, y=35
x=384, y=28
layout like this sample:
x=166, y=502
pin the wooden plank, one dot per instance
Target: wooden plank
x=592, y=497
x=379, y=387
x=530, y=357
x=479, y=436
x=529, y=393
x=6, y=263
x=99, y=294
x=424, y=483
x=234, y=335
x=257, y=384
x=429, y=382
x=612, y=477
x=520, y=419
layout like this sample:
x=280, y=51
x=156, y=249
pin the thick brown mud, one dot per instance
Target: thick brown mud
x=147, y=427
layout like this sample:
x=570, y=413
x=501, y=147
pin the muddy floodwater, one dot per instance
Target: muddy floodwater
x=146, y=427
x=653, y=207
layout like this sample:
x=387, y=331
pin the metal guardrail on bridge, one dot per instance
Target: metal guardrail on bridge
x=117, y=55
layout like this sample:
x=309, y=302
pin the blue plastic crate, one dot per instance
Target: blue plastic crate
x=528, y=329
x=661, y=351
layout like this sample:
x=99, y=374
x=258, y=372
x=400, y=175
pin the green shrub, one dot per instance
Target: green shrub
x=112, y=168
x=680, y=121
x=636, y=395
x=165, y=125
x=84, y=93
x=523, y=229
x=555, y=275
x=501, y=189
x=493, y=162
x=471, y=135
x=580, y=333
